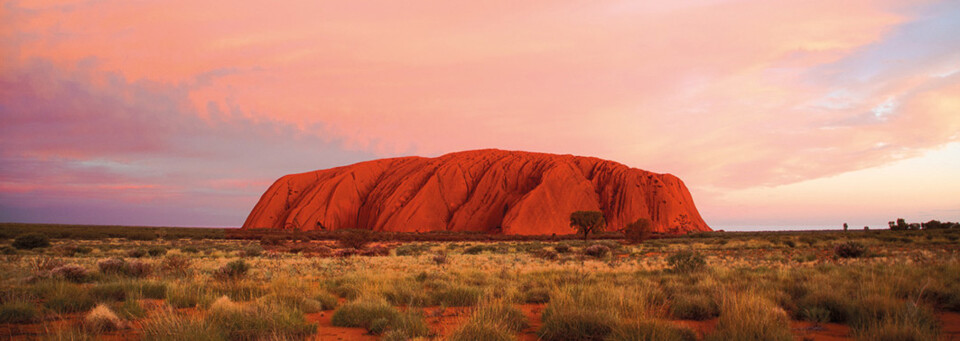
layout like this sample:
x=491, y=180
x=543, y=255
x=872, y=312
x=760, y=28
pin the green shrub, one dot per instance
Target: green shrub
x=686, y=261
x=231, y=271
x=18, y=311
x=363, y=312
x=29, y=241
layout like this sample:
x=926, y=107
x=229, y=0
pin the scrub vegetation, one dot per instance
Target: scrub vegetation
x=866, y=285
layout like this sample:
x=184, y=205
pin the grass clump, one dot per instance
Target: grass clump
x=581, y=313
x=363, y=312
x=687, y=261
x=187, y=296
x=652, y=330
x=257, y=321
x=101, y=319
x=693, y=307
x=458, y=296
x=748, y=316
x=64, y=297
x=171, y=326
x=18, y=311
x=481, y=330
x=232, y=271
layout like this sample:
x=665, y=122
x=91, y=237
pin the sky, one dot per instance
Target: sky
x=793, y=114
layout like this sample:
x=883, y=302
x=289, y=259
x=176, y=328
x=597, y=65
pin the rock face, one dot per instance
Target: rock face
x=489, y=190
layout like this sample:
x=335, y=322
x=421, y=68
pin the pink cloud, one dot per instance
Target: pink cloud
x=725, y=94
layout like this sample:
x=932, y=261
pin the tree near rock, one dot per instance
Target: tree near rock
x=586, y=222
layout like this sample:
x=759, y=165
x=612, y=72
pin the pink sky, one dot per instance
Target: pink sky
x=777, y=114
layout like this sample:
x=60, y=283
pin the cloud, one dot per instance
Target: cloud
x=76, y=135
x=729, y=95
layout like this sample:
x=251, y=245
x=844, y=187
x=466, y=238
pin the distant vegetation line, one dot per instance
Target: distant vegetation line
x=97, y=232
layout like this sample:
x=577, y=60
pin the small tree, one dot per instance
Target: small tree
x=586, y=222
x=845, y=226
x=638, y=231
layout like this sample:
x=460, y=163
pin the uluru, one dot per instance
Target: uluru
x=490, y=190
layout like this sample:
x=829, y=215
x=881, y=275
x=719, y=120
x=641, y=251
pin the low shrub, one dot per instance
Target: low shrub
x=157, y=251
x=176, y=264
x=112, y=266
x=597, y=251
x=29, y=241
x=686, y=261
x=18, y=311
x=411, y=249
x=138, y=269
x=374, y=251
x=233, y=270
x=253, y=250
x=71, y=272
x=136, y=253
x=362, y=313
x=355, y=238
x=850, y=249
x=562, y=248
